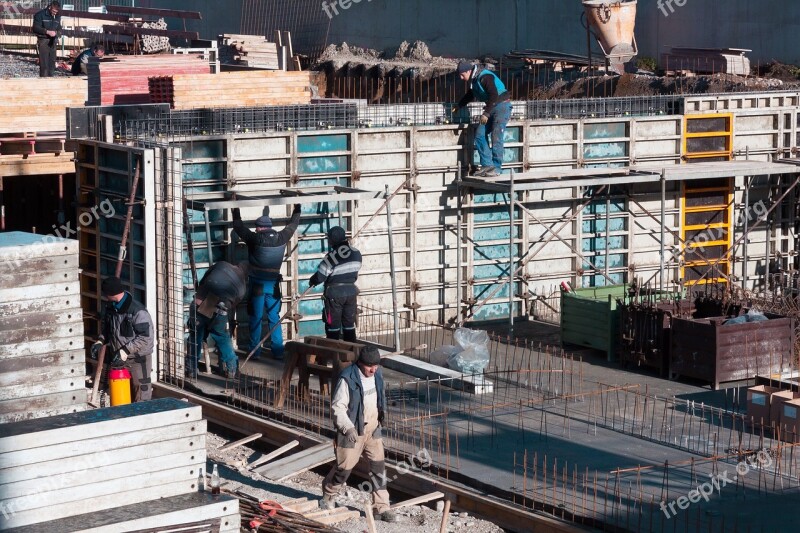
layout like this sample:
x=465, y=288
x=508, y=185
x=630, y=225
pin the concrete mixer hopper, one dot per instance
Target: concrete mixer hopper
x=612, y=24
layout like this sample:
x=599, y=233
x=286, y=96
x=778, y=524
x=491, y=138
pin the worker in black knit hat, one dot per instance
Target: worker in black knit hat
x=266, y=248
x=339, y=272
x=357, y=409
x=127, y=330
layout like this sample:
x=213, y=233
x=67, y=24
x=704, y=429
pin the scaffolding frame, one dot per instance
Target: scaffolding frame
x=512, y=183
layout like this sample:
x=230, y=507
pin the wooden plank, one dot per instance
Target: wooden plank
x=419, y=500
x=122, y=469
x=101, y=458
x=476, y=384
x=161, y=513
x=445, y=517
x=272, y=455
x=240, y=442
x=100, y=423
x=337, y=518
x=53, y=509
x=370, y=518
x=165, y=13
x=300, y=462
x=132, y=30
x=39, y=164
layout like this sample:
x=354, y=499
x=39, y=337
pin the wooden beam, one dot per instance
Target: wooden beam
x=272, y=455
x=445, y=517
x=232, y=445
x=166, y=13
x=80, y=14
x=419, y=500
x=133, y=30
x=37, y=165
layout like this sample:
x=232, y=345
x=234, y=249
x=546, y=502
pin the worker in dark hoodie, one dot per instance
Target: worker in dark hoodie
x=47, y=26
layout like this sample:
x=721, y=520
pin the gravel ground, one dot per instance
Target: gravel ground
x=419, y=519
x=12, y=66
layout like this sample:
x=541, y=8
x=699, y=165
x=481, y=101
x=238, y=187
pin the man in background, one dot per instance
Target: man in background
x=80, y=65
x=46, y=26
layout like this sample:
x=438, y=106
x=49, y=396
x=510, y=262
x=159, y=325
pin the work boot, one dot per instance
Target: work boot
x=327, y=502
x=490, y=172
x=386, y=516
x=480, y=171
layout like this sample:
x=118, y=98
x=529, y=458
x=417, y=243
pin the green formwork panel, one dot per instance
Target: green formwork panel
x=590, y=318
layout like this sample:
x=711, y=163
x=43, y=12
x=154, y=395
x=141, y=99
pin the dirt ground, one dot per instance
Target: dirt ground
x=234, y=476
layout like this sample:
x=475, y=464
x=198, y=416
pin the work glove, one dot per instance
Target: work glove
x=484, y=119
x=455, y=109
x=296, y=209
x=352, y=435
x=96, y=347
x=237, y=215
x=123, y=354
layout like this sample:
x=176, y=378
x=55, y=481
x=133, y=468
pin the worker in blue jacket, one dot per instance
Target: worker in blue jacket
x=81, y=63
x=486, y=87
x=266, y=248
x=46, y=26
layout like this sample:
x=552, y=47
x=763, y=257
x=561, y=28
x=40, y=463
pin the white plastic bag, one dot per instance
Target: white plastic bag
x=441, y=354
x=475, y=355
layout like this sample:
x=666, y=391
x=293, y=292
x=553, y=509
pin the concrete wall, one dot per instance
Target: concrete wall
x=474, y=27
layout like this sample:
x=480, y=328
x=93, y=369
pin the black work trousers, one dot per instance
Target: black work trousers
x=47, y=57
x=340, y=317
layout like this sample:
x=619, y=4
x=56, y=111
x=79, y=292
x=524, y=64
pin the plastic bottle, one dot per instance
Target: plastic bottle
x=215, y=480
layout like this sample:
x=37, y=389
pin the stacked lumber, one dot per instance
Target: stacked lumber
x=151, y=44
x=123, y=468
x=42, y=369
x=123, y=80
x=707, y=61
x=39, y=104
x=231, y=89
x=251, y=50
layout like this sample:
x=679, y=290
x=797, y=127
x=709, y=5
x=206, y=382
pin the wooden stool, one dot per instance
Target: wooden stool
x=324, y=362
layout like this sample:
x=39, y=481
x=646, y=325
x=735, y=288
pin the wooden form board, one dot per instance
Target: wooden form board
x=299, y=462
x=36, y=104
x=39, y=303
x=62, y=466
x=473, y=384
x=252, y=50
x=194, y=507
x=231, y=89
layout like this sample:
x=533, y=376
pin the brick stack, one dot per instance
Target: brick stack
x=42, y=359
x=124, y=80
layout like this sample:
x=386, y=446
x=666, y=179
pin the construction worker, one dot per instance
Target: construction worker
x=127, y=330
x=486, y=87
x=339, y=272
x=358, y=408
x=222, y=288
x=80, y=65
x=46, y=26
x=266, y=248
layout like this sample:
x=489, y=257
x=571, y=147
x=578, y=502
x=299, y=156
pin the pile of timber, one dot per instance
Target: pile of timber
x=42, y=359
x=132, y=467
x=231, y=89
x=123, y=79
x=251, y=50
x=707, y=61
x=150, y=44
x=29, y=105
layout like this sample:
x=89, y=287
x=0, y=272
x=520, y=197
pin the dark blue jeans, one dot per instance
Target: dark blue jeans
x=265, y=296
x=201, y=327
x=493, y=131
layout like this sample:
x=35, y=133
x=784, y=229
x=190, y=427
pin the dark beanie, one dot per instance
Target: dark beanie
x=463, y=66
x=112, y=286
x=336, y=235
x=263, y=222
x=369, y=356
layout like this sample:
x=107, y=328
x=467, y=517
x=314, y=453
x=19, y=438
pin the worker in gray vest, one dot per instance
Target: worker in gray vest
x=219, y=293
x=266, y=248
x=339, y=272
x=128, y=331
x=358, y=408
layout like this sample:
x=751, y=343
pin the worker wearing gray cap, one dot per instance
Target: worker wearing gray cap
x=358, y=408
x=266, y=248
x=486, y=87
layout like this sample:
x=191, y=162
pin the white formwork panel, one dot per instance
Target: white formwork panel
x=552, y=142
x=656, y=139
x=725, y=103
x=757, y=133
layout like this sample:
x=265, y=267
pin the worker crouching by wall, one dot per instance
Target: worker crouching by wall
x=218, y=295
x=127, y=330
x=339, y=272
